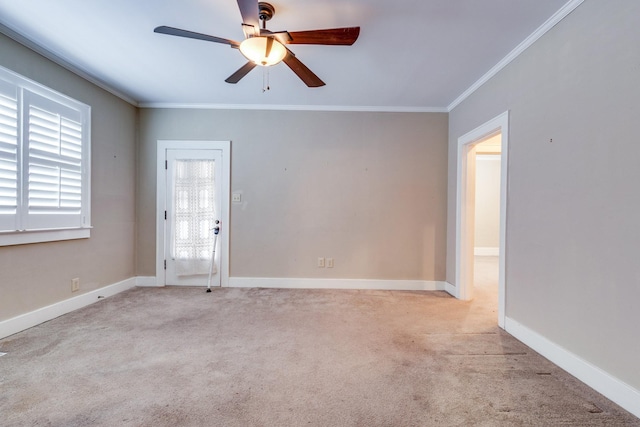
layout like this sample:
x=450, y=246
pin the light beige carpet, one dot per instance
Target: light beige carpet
x=266, y=357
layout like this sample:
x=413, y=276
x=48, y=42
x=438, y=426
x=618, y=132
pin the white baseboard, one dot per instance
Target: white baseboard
x=599, y=380
x=486, y=251
x=287, y=283
x=147, y=281
x=44, y=314
x=451, y=290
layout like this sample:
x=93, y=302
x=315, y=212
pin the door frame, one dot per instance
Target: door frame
x=464, y=238
x=223, y=237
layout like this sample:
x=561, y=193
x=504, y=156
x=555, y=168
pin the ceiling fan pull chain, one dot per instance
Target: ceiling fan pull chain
x=265, y=79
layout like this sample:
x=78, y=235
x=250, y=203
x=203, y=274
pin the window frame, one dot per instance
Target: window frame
x=25, y=89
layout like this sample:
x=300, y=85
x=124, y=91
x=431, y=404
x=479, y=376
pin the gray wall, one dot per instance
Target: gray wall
x=487, y=219
x=37, y=275
x=572, y=270
x=368, y=189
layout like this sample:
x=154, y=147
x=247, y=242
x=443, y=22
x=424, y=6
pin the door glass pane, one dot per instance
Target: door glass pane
x=194, y=216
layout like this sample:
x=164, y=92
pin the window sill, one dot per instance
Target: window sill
x=41, y=236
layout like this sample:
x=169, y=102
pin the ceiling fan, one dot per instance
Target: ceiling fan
x=265, y=48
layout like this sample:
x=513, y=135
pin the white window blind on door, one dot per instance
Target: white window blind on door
x=54, y=176
x=8, y=156
x=194, y=211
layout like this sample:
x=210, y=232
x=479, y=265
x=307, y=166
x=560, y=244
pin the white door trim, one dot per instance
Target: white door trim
x=223, y=242
x=464, y=249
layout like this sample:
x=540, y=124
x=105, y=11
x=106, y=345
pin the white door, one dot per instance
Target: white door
x=192, y=249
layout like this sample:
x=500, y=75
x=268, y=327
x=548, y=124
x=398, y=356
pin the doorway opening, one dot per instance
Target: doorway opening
x=490, y=139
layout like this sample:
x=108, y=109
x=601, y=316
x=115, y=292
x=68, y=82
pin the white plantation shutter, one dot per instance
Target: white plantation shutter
x=54, y=166
x=44, y=163
x=8, y=156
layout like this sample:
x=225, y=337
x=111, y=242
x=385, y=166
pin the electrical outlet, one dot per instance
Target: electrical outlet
x=236, y=197
x=75, y=284
x=321, y=262
x=329, y=262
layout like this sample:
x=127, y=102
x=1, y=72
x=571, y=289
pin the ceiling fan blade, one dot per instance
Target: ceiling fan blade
x=243, y=71
x=333, y=36
x=249, y=11
x=191, y=35
x=301, y=70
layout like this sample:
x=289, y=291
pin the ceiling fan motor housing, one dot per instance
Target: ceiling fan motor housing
x=265, y=11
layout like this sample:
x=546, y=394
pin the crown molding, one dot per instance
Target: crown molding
x=345, y=108
x=542, y=30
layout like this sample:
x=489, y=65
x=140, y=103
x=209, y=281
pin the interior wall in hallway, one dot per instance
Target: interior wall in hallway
x=487, y=218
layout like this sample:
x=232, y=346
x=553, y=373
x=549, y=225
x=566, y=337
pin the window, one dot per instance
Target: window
x=44, y=163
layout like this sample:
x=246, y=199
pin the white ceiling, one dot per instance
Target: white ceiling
x=411, y=54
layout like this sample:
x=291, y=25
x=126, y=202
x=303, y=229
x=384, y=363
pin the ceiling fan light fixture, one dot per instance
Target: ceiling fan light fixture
x=255, y=49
